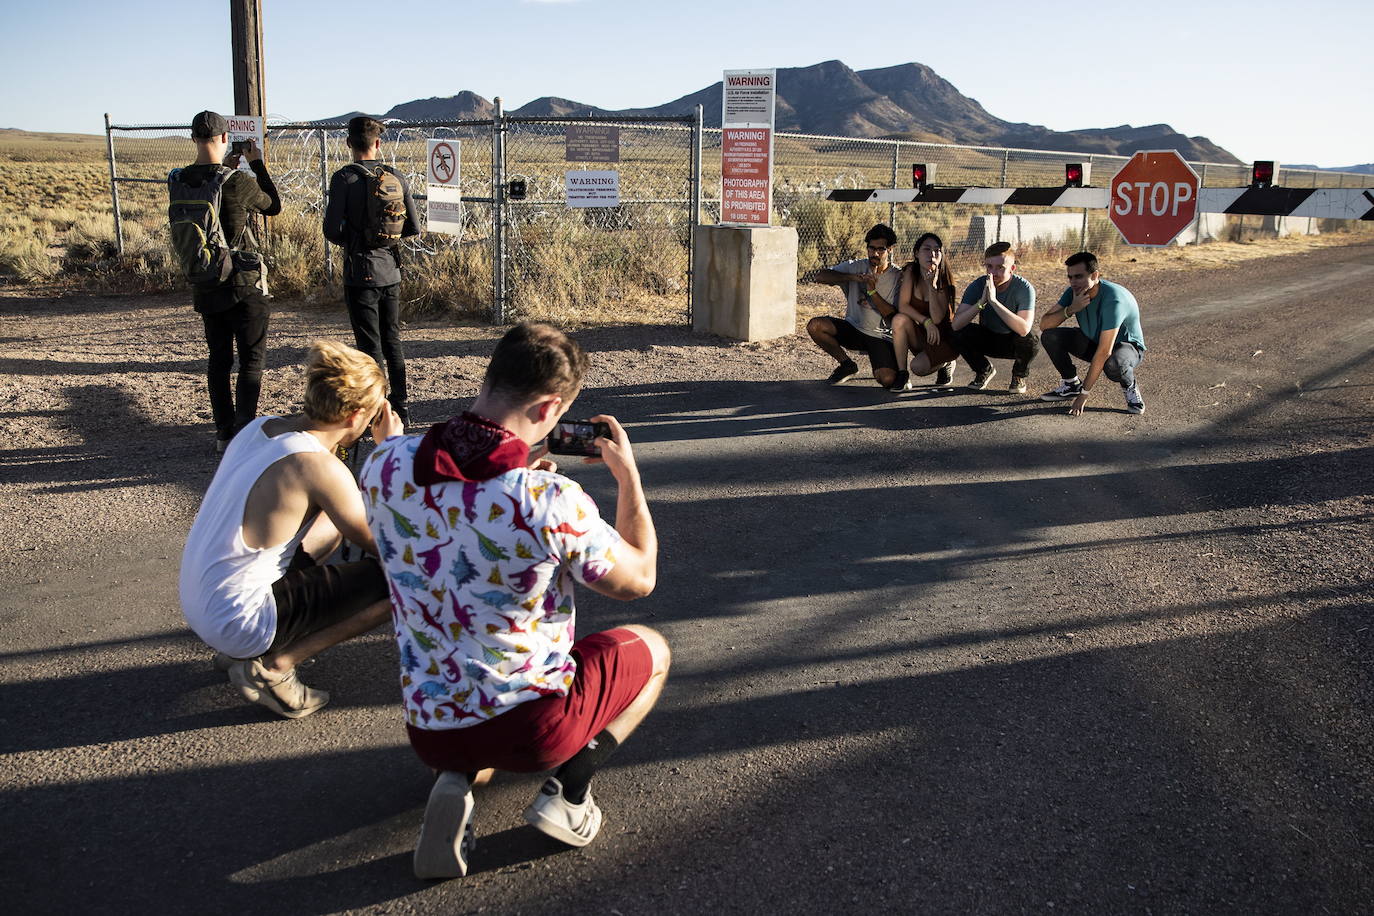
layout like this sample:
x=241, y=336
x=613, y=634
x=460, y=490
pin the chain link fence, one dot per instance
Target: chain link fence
x=536, y=257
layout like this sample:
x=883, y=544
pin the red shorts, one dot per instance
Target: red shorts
x=538, y=735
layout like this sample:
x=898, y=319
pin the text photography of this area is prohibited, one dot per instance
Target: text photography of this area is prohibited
x=749, y=101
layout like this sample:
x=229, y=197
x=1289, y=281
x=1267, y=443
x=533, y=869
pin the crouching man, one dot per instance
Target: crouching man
x=1004, y=306
x=252, y=584
x=481, y=548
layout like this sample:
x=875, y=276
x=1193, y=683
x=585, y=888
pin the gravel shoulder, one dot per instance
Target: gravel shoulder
x=947, y=651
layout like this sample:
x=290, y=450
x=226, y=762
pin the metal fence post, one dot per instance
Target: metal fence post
x=324, y=201
x=1002, y=183
x=498, y=212
x=896, y=173
x=114, y=187
x=1083, y=232
x=694, y=218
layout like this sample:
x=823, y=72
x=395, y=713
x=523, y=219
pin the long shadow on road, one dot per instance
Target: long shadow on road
x=1098, y=780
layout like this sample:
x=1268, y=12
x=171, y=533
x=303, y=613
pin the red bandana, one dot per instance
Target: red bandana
x=468, y=447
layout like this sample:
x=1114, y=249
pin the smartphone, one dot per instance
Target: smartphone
x=576, y=437
x=239, y=146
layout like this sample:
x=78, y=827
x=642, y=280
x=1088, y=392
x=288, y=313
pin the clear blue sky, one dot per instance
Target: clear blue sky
x=1289, y=81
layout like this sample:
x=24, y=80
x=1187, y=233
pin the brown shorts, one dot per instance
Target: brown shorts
x=537, y=735
x=941, y=353
x=311, y=597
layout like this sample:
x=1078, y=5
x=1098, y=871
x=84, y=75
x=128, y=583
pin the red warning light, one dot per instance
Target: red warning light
x=1262, y=174
x=922, y=175
x=1075, y=175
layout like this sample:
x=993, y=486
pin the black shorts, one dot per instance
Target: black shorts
x=881, y=354
x=311, y=597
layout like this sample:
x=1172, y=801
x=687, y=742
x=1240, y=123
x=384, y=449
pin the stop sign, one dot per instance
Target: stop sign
x=1153, y=197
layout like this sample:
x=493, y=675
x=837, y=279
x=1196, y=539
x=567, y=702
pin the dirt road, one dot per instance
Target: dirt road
x=942, y=652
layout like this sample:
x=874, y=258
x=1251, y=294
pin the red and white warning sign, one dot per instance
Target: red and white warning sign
x=1153, y=197
x=749, y=100
x=444, y=197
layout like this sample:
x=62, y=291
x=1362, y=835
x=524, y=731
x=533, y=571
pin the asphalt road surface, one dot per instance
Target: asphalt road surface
x=942, y=652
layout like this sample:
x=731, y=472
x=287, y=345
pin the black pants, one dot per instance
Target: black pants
x=243, y=324
x=976, y=343
x=376, y=316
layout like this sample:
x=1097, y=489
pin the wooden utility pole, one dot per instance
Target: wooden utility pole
x=245, y=27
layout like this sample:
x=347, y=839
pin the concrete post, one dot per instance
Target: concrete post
x=744, y=281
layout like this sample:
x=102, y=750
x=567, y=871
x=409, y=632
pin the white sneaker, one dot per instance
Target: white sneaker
x=446, y=835
x=551, y=813
x=1134, y=402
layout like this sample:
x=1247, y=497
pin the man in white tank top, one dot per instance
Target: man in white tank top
x=252, y=586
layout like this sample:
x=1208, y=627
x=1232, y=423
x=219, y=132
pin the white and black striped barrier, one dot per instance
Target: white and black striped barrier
x=1317, y=203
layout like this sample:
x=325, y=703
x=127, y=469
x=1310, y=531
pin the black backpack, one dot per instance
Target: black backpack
x=386, y=206
x=197, y=238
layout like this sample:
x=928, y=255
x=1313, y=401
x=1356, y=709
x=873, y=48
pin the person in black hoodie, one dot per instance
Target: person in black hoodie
x=370, y=210
x=235, y=312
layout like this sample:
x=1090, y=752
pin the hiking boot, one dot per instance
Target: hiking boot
x=1068, y=388
x=980, y=381
x=1018, y=385
x=284, y=694
x=446, y=835
x=843, y=372
x=554, y=815
x=1134, y=402
x=945, y=377
x=902, y=382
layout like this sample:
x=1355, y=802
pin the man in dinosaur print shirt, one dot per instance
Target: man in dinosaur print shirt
x=481, y=549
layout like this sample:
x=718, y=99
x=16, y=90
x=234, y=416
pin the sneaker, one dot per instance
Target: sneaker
x=1068, y=388
x=945, y=377
x=980, y=381
x=284, y=694
x=902, y=382
x=554, y=815
x=446, y=835
x=1018, y=385
x=1134, y=402
x=843, y=372
x=221, y=446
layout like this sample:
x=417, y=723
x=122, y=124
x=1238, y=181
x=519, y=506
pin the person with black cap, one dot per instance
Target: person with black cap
x=370, y=210
x=234, y=310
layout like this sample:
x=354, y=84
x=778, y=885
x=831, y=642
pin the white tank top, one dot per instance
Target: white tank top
x=226, y=586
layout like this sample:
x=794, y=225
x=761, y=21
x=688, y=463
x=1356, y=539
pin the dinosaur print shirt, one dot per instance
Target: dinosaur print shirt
x=481, y=577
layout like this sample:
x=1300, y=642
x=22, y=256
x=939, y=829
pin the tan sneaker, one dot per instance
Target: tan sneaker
x=284, y=694
x=1018, y=385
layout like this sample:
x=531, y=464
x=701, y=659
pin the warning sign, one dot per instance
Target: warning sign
x=749, y=98
x=246, y=127
x=592, y=143
x=444, y=197
x=746, y=186
x=592, y=189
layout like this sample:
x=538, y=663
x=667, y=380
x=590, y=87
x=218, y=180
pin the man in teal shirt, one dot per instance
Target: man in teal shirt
x=1108, y=336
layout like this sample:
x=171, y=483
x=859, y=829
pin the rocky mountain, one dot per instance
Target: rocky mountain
x=1365, y=169
x=908, y=101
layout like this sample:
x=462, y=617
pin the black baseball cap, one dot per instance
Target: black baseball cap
x=208, y=124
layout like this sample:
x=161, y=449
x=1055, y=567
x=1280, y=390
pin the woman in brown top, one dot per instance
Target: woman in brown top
x=925, y=307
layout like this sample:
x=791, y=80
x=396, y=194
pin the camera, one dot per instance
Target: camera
x=239, y=146
x=576, y=437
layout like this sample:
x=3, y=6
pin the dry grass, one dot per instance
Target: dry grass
x=576, y=267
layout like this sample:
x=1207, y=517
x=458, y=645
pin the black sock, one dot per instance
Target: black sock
x=576, y=774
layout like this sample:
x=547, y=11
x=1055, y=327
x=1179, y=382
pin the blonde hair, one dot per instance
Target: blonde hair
x=340, y=380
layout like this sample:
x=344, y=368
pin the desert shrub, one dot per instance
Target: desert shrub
x=24, y=256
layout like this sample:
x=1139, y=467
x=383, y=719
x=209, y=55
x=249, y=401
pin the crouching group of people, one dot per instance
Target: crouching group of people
x=475, y=542
x=907, y=322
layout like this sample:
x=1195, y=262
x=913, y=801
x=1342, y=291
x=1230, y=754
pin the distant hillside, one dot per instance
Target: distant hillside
x=909, y=101
x=1366, y=169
